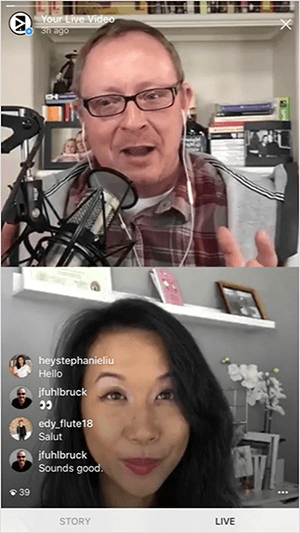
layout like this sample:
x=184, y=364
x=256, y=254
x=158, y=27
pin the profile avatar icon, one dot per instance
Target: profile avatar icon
x=20, y=429
x=20, y=460
x=20, y=398
x=21, y=24
x=20, y=366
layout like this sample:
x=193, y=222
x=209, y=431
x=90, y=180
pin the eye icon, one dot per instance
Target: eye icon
x=12, y=492
x=42, y=404
x=49, y=405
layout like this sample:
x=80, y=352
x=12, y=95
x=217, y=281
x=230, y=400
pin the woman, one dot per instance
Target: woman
x=156, y=421
x=22, y=369
x=69, y=152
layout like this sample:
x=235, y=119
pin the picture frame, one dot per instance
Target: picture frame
x=56, y=135
x=242, y=301
x=268, y=143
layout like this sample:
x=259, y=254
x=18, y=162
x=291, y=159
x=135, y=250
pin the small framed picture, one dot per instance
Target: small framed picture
x=268, y=143
x=240, y=300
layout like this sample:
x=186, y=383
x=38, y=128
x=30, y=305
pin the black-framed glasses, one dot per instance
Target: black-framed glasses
x=21, y=456
x=154, y=99
x=21, y=393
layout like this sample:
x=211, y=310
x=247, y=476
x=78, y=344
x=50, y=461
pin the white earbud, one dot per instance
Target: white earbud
x=183, y=117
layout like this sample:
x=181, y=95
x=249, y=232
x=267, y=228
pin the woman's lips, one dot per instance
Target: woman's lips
x=141, y=466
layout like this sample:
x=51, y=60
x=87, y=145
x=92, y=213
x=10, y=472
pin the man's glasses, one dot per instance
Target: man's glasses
x=21, y=456
x=109, y=105
x=21, y=393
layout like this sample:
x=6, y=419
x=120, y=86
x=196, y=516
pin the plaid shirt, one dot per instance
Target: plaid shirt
x=162, y=232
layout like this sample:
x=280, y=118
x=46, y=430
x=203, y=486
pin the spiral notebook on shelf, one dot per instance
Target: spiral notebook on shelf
x=167, y=286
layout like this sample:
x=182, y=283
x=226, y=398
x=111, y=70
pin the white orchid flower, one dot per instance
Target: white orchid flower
x=251, y=376
x=234, y=372
x=258, y=393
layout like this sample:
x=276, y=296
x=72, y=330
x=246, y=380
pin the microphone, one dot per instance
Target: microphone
x=82, y=238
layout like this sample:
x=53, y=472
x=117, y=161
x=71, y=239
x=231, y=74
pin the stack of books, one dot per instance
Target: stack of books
x=58, y=108
x=227, y=142
x=244, y=134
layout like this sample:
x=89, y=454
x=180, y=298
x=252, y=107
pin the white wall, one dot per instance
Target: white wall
x=219, y=71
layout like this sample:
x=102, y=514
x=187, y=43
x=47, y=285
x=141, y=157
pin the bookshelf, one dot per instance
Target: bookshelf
x=24, y=286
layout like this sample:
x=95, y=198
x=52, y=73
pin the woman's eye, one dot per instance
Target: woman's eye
x=166, y=395
x=114, y=396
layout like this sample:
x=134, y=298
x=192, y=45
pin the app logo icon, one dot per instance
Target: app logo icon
x=21, y=24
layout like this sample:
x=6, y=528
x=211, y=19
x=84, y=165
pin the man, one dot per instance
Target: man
x=22, y=464
x=21, y=401
x=132, y=103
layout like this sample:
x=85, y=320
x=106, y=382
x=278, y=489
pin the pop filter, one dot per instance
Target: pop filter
x=116, y=184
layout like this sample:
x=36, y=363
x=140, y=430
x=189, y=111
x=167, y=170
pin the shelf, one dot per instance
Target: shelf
x=214, y=27
x=25, y=287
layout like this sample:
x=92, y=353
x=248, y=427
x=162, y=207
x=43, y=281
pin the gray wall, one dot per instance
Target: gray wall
x=32, y=326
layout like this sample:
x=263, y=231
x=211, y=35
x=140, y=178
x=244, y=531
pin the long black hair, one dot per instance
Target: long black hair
x=204, y=476
x=17, y=361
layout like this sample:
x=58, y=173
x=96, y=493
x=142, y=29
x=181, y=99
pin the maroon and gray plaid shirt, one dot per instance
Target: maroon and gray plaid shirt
x=162, y=232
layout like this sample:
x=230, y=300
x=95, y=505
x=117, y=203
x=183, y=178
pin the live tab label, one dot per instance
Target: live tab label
x=222, y=521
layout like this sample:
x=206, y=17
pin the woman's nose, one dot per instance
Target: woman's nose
x=143, y=427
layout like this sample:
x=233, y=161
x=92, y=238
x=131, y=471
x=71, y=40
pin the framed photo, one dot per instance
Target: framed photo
x=61, y=145
x=268, y=143
x=240, y=300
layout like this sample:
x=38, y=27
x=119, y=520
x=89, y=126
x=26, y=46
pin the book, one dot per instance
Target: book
x=244, y=7
x=254, y=7
x=167, y=286
x=284, y=108
x=280, y=107
x=231, y=7
x=243, y=113
x=58, y=99
x=266, y=7
x=222, y=7
x=242, y=108
x=69, y=8
x=42, y=8
x=247, y=118
x=190, y=6
x=212, y=7
x=67, y=112
x=259, y=465
x=56, y=8
x=215, y=128
x=226, y=135
x=203, y=8
x=55, y=113
x=275, y=445
x=111, y=8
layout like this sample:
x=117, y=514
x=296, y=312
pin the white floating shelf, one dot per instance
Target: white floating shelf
x=234, y=27
x=25, y=287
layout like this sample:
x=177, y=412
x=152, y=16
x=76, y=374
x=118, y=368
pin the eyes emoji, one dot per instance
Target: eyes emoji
x=46, y=405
